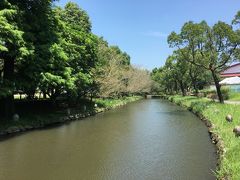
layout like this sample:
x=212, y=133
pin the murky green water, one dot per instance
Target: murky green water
x=147, y=140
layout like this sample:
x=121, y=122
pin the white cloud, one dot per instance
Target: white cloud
x=156, y=34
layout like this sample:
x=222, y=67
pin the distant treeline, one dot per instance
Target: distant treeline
x=51, y=51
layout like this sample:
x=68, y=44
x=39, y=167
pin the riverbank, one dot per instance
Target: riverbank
x=214, y=114
x=33, y=121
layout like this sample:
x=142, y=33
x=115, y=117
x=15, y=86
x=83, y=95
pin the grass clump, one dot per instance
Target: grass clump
x=212, y=93
x=234, y=96
x=216, y=113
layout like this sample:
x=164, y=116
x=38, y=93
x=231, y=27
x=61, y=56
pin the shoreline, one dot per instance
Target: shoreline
x=219, y=130
x=215, y=138
x=61, y=120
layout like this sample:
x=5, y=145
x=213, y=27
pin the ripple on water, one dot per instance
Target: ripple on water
x=149, y=139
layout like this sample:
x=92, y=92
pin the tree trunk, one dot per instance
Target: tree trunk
x=218, y=87
x=194, y=81
x=91, y=96
x=8, y=106
x=8, y=101
x=182, y=88
x=195, y=87
x=176, y=87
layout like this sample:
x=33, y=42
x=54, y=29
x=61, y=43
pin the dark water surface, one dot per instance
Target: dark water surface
x=146, y=140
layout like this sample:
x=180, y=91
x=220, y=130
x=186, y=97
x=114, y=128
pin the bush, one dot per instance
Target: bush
x=212, y=94
x=226, y=93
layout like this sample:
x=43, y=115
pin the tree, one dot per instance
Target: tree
x=208, y=47
x=156, y=76
x=179, y=71
x=51, y=50
x=236, y=23
x=138, y=81
x=40, y=33
x=236, y=20
x=58, y=77
x=79, y=44
x=76, y=18
x=12, y=49
x=109, y=74
x=164, y=79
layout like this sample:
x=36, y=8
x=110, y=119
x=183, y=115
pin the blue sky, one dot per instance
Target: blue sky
x=141, y=27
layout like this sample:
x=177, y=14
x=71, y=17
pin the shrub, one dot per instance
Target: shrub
x=212, y=94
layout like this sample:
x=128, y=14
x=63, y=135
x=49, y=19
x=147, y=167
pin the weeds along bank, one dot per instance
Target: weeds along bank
x=36, y=121
x=228, y=145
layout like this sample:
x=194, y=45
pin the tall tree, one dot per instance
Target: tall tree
x=76, y=17
x=79, y=45
x=208, y=47
x=39, y=25
x=138, y=81
x=236, y=24
x=179, y=71
x=12, y=49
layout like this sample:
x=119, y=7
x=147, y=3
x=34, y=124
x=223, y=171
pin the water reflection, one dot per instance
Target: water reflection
x=149, y=139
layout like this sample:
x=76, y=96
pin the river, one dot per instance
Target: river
x=145, y=140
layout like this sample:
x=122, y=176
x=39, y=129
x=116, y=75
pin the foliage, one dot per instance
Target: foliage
x=115, y=76
x=211, y=93
x=51, y=50
x=201, y=53
x=12, y=45
x=178, y=74
x=75, y=17
x=211, y=48
x=234, y=96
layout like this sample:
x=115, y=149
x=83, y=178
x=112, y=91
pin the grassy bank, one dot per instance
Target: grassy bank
x=229, y=167
x=234, y=96
x=33, y=119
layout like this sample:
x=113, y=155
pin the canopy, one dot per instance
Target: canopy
x=231, y=80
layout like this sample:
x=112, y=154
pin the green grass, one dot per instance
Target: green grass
x=234, y=96
x=216, y=113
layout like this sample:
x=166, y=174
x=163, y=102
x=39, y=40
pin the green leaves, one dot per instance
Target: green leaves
x=52, y=50
x=52, y=80
x=3, y=48
x=79, y=45
x=75, y=17
x=204, y=48
x=10, y=35
x=236, y=20
x=210, y=47
x=174, y=40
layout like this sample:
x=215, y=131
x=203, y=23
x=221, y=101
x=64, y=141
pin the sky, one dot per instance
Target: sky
x=141, y=27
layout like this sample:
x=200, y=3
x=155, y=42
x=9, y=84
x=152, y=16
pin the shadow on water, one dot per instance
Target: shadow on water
x=13, y=135
x=46, y=128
